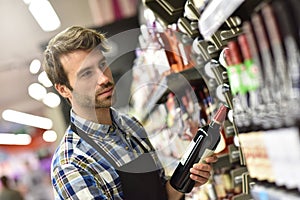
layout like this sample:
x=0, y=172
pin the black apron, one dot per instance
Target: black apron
x=139, y=180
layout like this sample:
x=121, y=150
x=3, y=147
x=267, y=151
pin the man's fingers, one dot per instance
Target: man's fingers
x=211, y=159
x=202, y=166
x=196, y=172
x=199, y=179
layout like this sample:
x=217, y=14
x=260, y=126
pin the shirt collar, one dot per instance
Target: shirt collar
x=93, y=128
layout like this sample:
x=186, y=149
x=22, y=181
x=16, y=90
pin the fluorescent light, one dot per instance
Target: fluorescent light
x=44, y=14
x=50, y=136
x=14, y=139
x=35, y=66
x=43, y=79
x=52, y=100
x=37, y=91
x=27, y=119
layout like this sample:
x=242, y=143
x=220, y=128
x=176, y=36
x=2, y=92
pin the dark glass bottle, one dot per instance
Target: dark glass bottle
x=202, y=145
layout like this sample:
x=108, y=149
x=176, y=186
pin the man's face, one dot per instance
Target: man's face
x=90, y=78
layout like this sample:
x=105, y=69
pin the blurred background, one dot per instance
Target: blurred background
x=33, y=117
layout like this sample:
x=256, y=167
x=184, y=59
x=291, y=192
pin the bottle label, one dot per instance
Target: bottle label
x=190, y=149
x=234, y=78
x=245, y=80
x=252, y=71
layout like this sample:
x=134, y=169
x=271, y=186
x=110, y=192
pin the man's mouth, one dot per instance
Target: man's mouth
x=106, y=92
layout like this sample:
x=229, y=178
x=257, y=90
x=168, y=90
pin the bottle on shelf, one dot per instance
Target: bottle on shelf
x=239, y=82
x=288, y=25
x=270, y=91
x=252, y=61
x=203, y=145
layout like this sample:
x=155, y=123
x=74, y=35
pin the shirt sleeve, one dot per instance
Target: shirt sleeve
x=70, y=182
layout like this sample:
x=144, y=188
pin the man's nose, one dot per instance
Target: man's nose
x=102, y=78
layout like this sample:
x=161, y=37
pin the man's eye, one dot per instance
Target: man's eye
x=86, y=73
x=102, y=65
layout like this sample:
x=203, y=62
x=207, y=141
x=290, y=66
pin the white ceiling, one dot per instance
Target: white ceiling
x=20, y=42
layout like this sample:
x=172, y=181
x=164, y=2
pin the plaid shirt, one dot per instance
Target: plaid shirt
x=80, y=172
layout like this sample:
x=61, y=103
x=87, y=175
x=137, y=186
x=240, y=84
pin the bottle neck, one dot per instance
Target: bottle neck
x=219, y=117
x=215, y=124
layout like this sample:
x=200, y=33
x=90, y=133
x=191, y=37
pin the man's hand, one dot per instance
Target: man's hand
x=200, y=172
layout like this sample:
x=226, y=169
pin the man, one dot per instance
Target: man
x=7, y=193
x=104, y=154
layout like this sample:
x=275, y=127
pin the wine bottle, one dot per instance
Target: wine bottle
x=203, y=144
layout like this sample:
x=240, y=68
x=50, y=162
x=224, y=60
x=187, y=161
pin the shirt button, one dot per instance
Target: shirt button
x=111, y=129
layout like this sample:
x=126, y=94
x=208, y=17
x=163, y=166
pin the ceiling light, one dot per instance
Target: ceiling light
x=27, y=119
x=14, y=139
x=35, y=66
x=50, y=136
x=43, y=79
x=44, y=14
x=51, y=99
x=37, y=91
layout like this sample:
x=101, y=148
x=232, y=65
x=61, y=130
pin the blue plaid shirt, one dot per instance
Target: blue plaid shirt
x=80, y=172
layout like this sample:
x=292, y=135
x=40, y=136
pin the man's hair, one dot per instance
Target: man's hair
x=71, y=39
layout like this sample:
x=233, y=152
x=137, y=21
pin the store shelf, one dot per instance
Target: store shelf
x=216, y=13
x=258, y=165
x=167, y=11
x=175, y=83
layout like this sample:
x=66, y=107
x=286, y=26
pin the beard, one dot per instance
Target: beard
x=94, y=101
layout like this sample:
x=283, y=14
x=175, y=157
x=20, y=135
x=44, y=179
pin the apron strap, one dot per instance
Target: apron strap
x=91, y=142
x=144, y=135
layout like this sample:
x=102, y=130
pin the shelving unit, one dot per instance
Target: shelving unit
x=175, y=83
x=264, y=159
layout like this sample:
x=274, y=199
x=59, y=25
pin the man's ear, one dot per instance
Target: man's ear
x=63, y=90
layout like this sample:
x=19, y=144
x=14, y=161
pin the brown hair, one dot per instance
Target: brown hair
x=67, y=41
